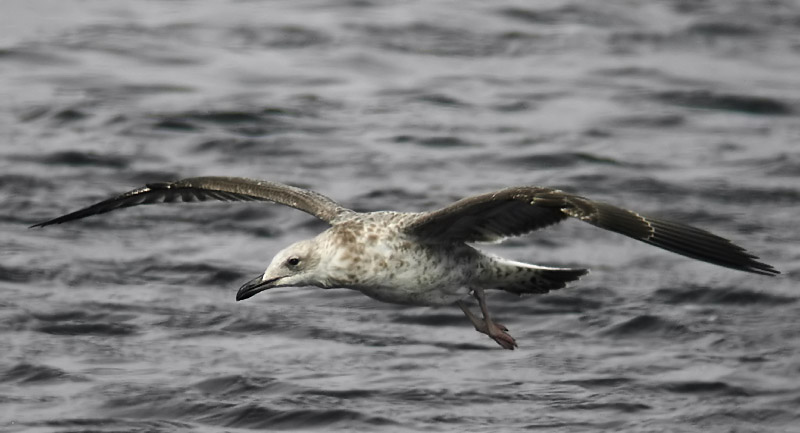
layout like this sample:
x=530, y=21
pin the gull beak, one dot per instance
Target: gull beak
x=257, y=284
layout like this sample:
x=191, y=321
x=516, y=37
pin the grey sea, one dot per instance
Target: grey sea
x=127, y=322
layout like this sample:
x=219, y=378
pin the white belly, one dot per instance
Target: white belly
x=427, y=296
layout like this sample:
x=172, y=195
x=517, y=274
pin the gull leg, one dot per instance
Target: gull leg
x=496, y=331
x=479, y=324
x=485, y=325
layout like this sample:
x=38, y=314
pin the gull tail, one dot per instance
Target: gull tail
x=523, y=278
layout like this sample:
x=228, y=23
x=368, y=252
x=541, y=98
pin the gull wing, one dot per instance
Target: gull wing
x=514, y=211
x=214, y=188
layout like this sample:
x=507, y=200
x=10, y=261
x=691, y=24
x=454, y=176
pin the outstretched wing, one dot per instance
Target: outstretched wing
x=213, y=188
x=518, y=210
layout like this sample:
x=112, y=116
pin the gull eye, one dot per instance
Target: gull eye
x=294, y=261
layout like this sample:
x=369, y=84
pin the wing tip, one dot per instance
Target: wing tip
x=54, y=221
x=45, y=223
x=761, y=268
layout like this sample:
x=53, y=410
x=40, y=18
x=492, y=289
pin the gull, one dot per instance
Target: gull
x=427, y=258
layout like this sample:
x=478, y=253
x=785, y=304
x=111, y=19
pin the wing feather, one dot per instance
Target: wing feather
x=213, y=188
x=518, y=210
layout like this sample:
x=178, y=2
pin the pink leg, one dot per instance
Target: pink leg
x=485, y=325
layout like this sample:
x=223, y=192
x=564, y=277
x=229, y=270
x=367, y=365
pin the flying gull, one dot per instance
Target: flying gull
x=426, y=258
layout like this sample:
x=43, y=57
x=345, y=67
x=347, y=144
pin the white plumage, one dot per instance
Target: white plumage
x=426, y=258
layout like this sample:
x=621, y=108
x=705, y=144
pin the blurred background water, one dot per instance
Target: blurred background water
x=127, y=322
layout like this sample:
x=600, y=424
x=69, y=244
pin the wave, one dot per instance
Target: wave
x=25, y=374
x=647, y=326
x=748, y=104
x=701, y=387
x=101, y=329
x=228, y=410
x=719, y=296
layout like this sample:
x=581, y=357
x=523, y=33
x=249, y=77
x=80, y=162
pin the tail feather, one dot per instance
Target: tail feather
x=523, y=278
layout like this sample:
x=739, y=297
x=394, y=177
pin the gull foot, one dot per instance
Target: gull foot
x=500, y=335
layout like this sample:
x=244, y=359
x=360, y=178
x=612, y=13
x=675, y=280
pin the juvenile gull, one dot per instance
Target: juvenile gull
x=426, y=258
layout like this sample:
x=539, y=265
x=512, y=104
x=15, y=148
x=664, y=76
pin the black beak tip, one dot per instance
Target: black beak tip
x=252, y=287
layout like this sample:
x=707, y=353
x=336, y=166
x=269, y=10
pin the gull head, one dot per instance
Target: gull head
x=295, y=265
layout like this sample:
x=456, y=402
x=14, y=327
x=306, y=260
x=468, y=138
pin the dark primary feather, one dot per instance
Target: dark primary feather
x=487, y=217
x=482, y=218
x=213, y=188
x=518, y=210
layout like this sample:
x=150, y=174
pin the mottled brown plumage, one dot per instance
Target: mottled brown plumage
x=425, y=258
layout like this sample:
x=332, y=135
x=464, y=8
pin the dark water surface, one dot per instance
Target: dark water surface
x=127, y=322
